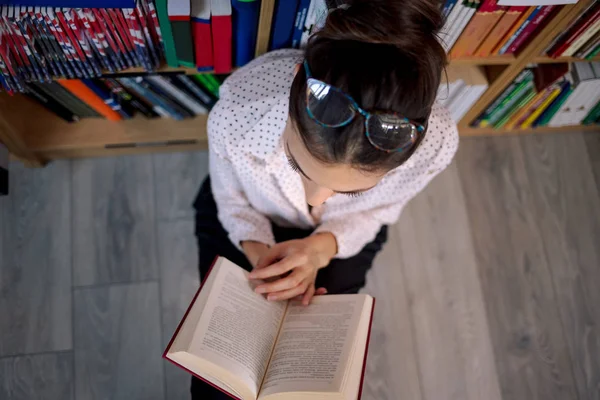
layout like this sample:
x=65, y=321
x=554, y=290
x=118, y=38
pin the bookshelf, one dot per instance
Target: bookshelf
x=36, y=136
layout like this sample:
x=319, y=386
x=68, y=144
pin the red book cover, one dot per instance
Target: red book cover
x=586, y=20
x=222, y=37
x=538, y=21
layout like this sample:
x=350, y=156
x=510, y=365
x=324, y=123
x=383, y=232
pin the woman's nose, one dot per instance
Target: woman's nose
x=316, y=195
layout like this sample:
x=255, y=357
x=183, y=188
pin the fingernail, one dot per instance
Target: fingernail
x=259, y=290
x=271, y=297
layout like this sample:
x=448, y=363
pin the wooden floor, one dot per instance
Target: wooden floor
x=489, y=288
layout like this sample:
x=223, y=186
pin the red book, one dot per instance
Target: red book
x=584, y=22
x=506, y=22
x=478, y=28
x=248, y=347
x=537, y=22
x=222, y=35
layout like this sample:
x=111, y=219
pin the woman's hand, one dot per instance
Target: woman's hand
x=254, y=251
x=295, y=263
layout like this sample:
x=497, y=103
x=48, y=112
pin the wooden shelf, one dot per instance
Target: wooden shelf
x=504, y=59
x=466, y=131
x=550, y=60
x=164, y=68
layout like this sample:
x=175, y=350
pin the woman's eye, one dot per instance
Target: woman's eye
x=354, y=194
x=293, y=165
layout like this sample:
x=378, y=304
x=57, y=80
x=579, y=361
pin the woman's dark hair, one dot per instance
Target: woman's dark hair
x=387, y=56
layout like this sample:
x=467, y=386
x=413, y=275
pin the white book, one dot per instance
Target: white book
x=461, y=25
x=475, y=92
x=459, y=102
x=449, y=24
x=186, y=100
x=315, y=20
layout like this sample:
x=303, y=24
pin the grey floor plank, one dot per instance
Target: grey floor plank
x=117, y=342
x=179, y=282
x=530, y=348
x=177, y=178
x=566, y=209
x=40, y=377
x=113, y=220
x=452, y=338
x=392, y=365
x=35, y=264
x=592, y=140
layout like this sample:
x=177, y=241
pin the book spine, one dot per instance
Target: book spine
x=520, y=30
x=80, y=90
x=51, y=104
x=142, y=92
x=593, y=53
x=105, y=95
x=577, y=29
x=582, y=39
x=508, y=104
x=551, y=110
x=299, y=23
x=518, y=23
x=181, y=97
x=536, y=22
x=515, y=108
x=524, y=75
x=448, y=7
x=592, y=116
x=463, y=20
x=196, y=91
x=245, y=30
x=475, y=30
x=538, y=109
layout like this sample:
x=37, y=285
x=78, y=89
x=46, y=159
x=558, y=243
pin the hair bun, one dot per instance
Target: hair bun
x=402, y=23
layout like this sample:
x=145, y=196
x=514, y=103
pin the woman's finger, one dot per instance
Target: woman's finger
x=289, y=282
x=320, y=291
x=287, y=294
x=279, y=268
x=271, y=256
x=308, y=295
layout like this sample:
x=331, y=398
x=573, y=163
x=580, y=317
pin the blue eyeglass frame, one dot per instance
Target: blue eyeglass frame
x=355, y=107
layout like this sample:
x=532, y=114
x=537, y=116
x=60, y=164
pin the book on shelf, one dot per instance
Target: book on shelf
x=585, y=81
x=484, y=20
x=171, y=95
x=577, y=28
x=506, y=22
x=245, y=30
x=529, y=28
x=283, y=26
x=588, y=47
x=509, y=34
x=251, y=348
x=203, y=47
x=465, y=85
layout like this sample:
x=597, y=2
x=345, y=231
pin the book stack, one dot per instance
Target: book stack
x=582, y=38
x=463, y=88
x=483, y=27
x=38, y=44
x=547, y=95
x=175, y=96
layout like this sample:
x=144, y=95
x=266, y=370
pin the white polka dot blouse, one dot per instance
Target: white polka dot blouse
x=253, y=184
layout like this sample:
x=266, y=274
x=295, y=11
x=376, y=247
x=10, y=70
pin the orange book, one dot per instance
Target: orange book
x=508, y=19
x=484, y=20
x=85, y=94
x=513, y=29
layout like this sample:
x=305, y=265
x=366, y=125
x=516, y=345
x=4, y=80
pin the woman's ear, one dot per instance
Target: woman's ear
x=297, y=68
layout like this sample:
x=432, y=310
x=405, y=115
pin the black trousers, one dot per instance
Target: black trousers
x=340, y=276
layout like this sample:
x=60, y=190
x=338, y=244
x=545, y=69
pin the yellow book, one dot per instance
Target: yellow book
x=519, y=114
x=538, y=111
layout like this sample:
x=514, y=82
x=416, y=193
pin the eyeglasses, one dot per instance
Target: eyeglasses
x=330, y=107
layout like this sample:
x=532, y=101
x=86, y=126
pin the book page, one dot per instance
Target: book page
x=238, y=328
x=315, y=345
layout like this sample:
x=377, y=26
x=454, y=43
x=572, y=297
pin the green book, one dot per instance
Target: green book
x=209, y=82
x=594, y=53
x=509, y=102
x=167, y=33
x=485, y=115
x=554, y=107
x=593, y=115
x=526, y=98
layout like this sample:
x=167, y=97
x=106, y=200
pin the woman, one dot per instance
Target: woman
x=314, y=152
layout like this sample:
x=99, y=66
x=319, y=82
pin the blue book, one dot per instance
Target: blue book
x=299, y=24
x=448, y=6
x=71, y=3
x=245, y=29
x=514, y=37
x=106, y=97
x=283, y=24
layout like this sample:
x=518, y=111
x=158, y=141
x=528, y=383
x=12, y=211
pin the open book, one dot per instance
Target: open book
x=250, y=348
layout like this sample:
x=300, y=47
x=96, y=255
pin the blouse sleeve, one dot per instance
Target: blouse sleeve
x=236, y=214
